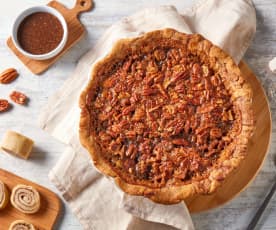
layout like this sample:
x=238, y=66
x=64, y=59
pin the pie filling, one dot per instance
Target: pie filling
x=161, y=117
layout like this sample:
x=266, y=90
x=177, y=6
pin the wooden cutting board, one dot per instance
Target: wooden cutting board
x=75, y=32
x=257, y=151
x=47, y=215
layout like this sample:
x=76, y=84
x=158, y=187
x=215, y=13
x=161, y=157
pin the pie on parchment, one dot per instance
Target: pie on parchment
x=167, y=114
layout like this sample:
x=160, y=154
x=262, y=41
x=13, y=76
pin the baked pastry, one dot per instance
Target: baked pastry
x=25, y=198
x=167, y=114
x=17, y=144
x=4, y=195
x=21, y=225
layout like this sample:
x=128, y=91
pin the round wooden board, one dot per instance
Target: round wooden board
x=257, y=151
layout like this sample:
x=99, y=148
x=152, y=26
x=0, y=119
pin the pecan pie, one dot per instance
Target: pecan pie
x=167, y=114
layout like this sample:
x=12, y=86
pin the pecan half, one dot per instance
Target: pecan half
x=18, y=97
x=8, y=76
x=180, y=141
x=4, y=105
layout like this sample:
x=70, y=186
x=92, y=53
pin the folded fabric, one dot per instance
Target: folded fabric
x=94, y=198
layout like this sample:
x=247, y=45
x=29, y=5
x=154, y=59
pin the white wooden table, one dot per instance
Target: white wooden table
x=234, y=215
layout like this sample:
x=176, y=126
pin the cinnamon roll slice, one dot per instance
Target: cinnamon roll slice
x=21, y=225
x=25, y=198
x=4, y=195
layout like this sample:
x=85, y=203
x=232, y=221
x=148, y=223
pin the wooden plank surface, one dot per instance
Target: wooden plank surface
x=49, y=210
x=236, y=214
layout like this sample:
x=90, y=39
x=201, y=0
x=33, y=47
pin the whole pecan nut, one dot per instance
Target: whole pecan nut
x=4, y=105
x=8, y=76
x=18, y=97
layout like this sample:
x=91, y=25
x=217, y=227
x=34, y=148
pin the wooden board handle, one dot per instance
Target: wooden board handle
x=82, y=6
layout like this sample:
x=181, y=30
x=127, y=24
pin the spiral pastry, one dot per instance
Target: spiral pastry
x=21, y=225
x=4, y=195
x=25, y=198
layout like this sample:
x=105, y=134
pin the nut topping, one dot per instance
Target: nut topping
x=170, y=109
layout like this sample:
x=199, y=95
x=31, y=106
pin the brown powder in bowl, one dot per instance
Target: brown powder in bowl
x=40, y=33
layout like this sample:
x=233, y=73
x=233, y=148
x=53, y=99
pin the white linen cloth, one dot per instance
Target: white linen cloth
x=94, y=198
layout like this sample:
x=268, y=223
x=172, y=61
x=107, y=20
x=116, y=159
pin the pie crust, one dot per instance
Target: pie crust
x=168, y=115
